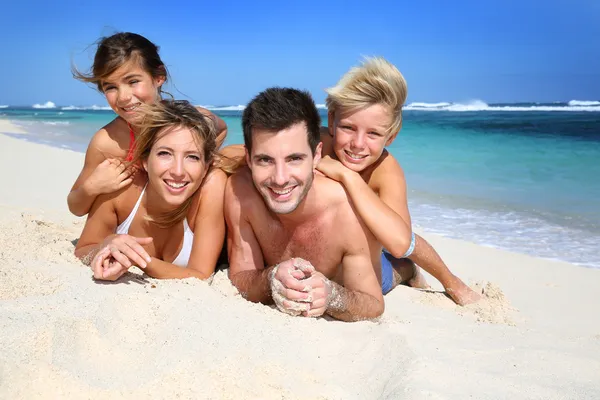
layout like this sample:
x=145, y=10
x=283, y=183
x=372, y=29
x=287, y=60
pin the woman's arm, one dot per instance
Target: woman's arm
x=99, y=233
x=386, y=215
x=209, y=234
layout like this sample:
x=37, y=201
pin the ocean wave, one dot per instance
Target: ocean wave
x=93, y=108
x=322, y=106
x=1, y=106
x=47, y=104
x=583, y=103
x=56, y=123
x=478, y=105
x=224, y=108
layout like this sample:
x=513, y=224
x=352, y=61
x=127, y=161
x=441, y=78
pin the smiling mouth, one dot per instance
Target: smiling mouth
x=176, y=185
x=355, y=156
x=131, y=108
x=282, y=192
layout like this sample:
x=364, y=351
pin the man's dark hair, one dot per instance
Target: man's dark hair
x=276, y=109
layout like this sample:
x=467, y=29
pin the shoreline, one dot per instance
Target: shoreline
x=534, y=335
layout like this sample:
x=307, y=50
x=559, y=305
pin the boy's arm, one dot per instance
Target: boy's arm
x=386, y=215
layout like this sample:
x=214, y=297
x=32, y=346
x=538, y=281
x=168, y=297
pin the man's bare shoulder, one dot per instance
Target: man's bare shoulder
x=240, y=189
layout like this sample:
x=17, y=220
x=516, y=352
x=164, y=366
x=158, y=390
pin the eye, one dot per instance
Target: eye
x=296, y=159
x=133, y=81
x=263, y=161
x=109, y=87
x=194, y=157
x=373, y=133
x=163, y=153
x=346, y=127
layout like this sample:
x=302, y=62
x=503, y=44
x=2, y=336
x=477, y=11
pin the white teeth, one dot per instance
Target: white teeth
x=282, y=192
x=176, y=185
x=130, y=108
x=355, y=156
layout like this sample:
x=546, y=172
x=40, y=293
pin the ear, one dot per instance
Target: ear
x=331, y=122
x=318, y=154
x=247, y=156
x=160, y=80
x=391, y=139
x=145, y=165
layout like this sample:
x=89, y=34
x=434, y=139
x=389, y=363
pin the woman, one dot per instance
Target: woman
x=169, y=221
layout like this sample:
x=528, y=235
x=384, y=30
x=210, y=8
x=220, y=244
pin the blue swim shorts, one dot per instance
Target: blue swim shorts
x=387, y=275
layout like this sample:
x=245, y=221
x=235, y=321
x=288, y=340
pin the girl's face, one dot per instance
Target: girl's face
x=360, y=138
x=175, y=166
x=128, y=87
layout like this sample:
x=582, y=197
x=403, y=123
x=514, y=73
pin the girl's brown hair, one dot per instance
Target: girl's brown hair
x=118, y=49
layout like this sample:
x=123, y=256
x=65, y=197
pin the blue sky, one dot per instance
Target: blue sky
x=224, y=52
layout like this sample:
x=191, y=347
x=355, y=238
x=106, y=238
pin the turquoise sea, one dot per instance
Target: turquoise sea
x=523, y=177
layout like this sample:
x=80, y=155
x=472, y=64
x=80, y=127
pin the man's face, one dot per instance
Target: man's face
x=282, y=166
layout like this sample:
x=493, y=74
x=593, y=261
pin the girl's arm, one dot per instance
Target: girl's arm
x=99, y=175
x=386, y=215
x=209, y=234
x=219, y=123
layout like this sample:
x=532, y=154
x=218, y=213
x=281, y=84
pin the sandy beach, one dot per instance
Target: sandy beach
x=536, y=335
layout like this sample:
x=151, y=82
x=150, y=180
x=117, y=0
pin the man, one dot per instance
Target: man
x=293, y=236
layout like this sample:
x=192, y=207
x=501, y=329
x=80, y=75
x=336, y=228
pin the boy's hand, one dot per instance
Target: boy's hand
x=332, y=168
x=109, y=176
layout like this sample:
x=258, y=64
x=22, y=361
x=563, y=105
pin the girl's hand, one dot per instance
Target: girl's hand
x=109, y=176
x=127, y=249
x=332, y=168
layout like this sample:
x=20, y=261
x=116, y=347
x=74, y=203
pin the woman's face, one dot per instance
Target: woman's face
x=176, y=165
x=129, y=87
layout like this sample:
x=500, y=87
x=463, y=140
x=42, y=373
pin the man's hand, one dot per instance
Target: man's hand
x=288, y=286
x=109, y=176
x=320, y=294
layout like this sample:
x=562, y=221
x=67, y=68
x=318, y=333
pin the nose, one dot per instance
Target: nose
x=124, y=96
x=282, y=175
x=358, y=140
x=177, y=170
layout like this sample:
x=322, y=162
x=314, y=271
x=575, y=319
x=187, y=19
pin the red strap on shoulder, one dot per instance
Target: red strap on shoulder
x=131, y=144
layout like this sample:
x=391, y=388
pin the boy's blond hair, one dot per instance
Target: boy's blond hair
x=376, y=81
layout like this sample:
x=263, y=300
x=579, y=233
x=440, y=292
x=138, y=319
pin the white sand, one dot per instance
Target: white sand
x=62, y=335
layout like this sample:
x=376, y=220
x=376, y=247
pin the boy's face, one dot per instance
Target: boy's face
x=360, y=138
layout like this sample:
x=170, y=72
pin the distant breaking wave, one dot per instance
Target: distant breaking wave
x=48, y=104
x=478, y=105
x=94, y=108
x=583, y=103
x=224, y=108
x=1, y=106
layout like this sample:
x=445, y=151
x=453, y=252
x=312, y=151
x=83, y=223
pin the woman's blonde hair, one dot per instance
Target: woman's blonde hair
x=159, y=119
x=375, y=81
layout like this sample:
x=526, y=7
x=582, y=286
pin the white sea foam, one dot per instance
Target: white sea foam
x=478, y=105
x=322, y=106
x=56, y=123
x=224, y=108
x=2, y=106
x=93, y=108
x=47, y=104
x=584, y=103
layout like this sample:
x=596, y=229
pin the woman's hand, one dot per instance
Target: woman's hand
x=127, y=249
x=106, y=268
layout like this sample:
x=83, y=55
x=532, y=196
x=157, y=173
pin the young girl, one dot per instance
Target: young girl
x=129, y=72
x=365, y=116
x=171, y=216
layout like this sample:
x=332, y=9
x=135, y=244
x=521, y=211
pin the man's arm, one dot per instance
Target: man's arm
x=246, y=263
